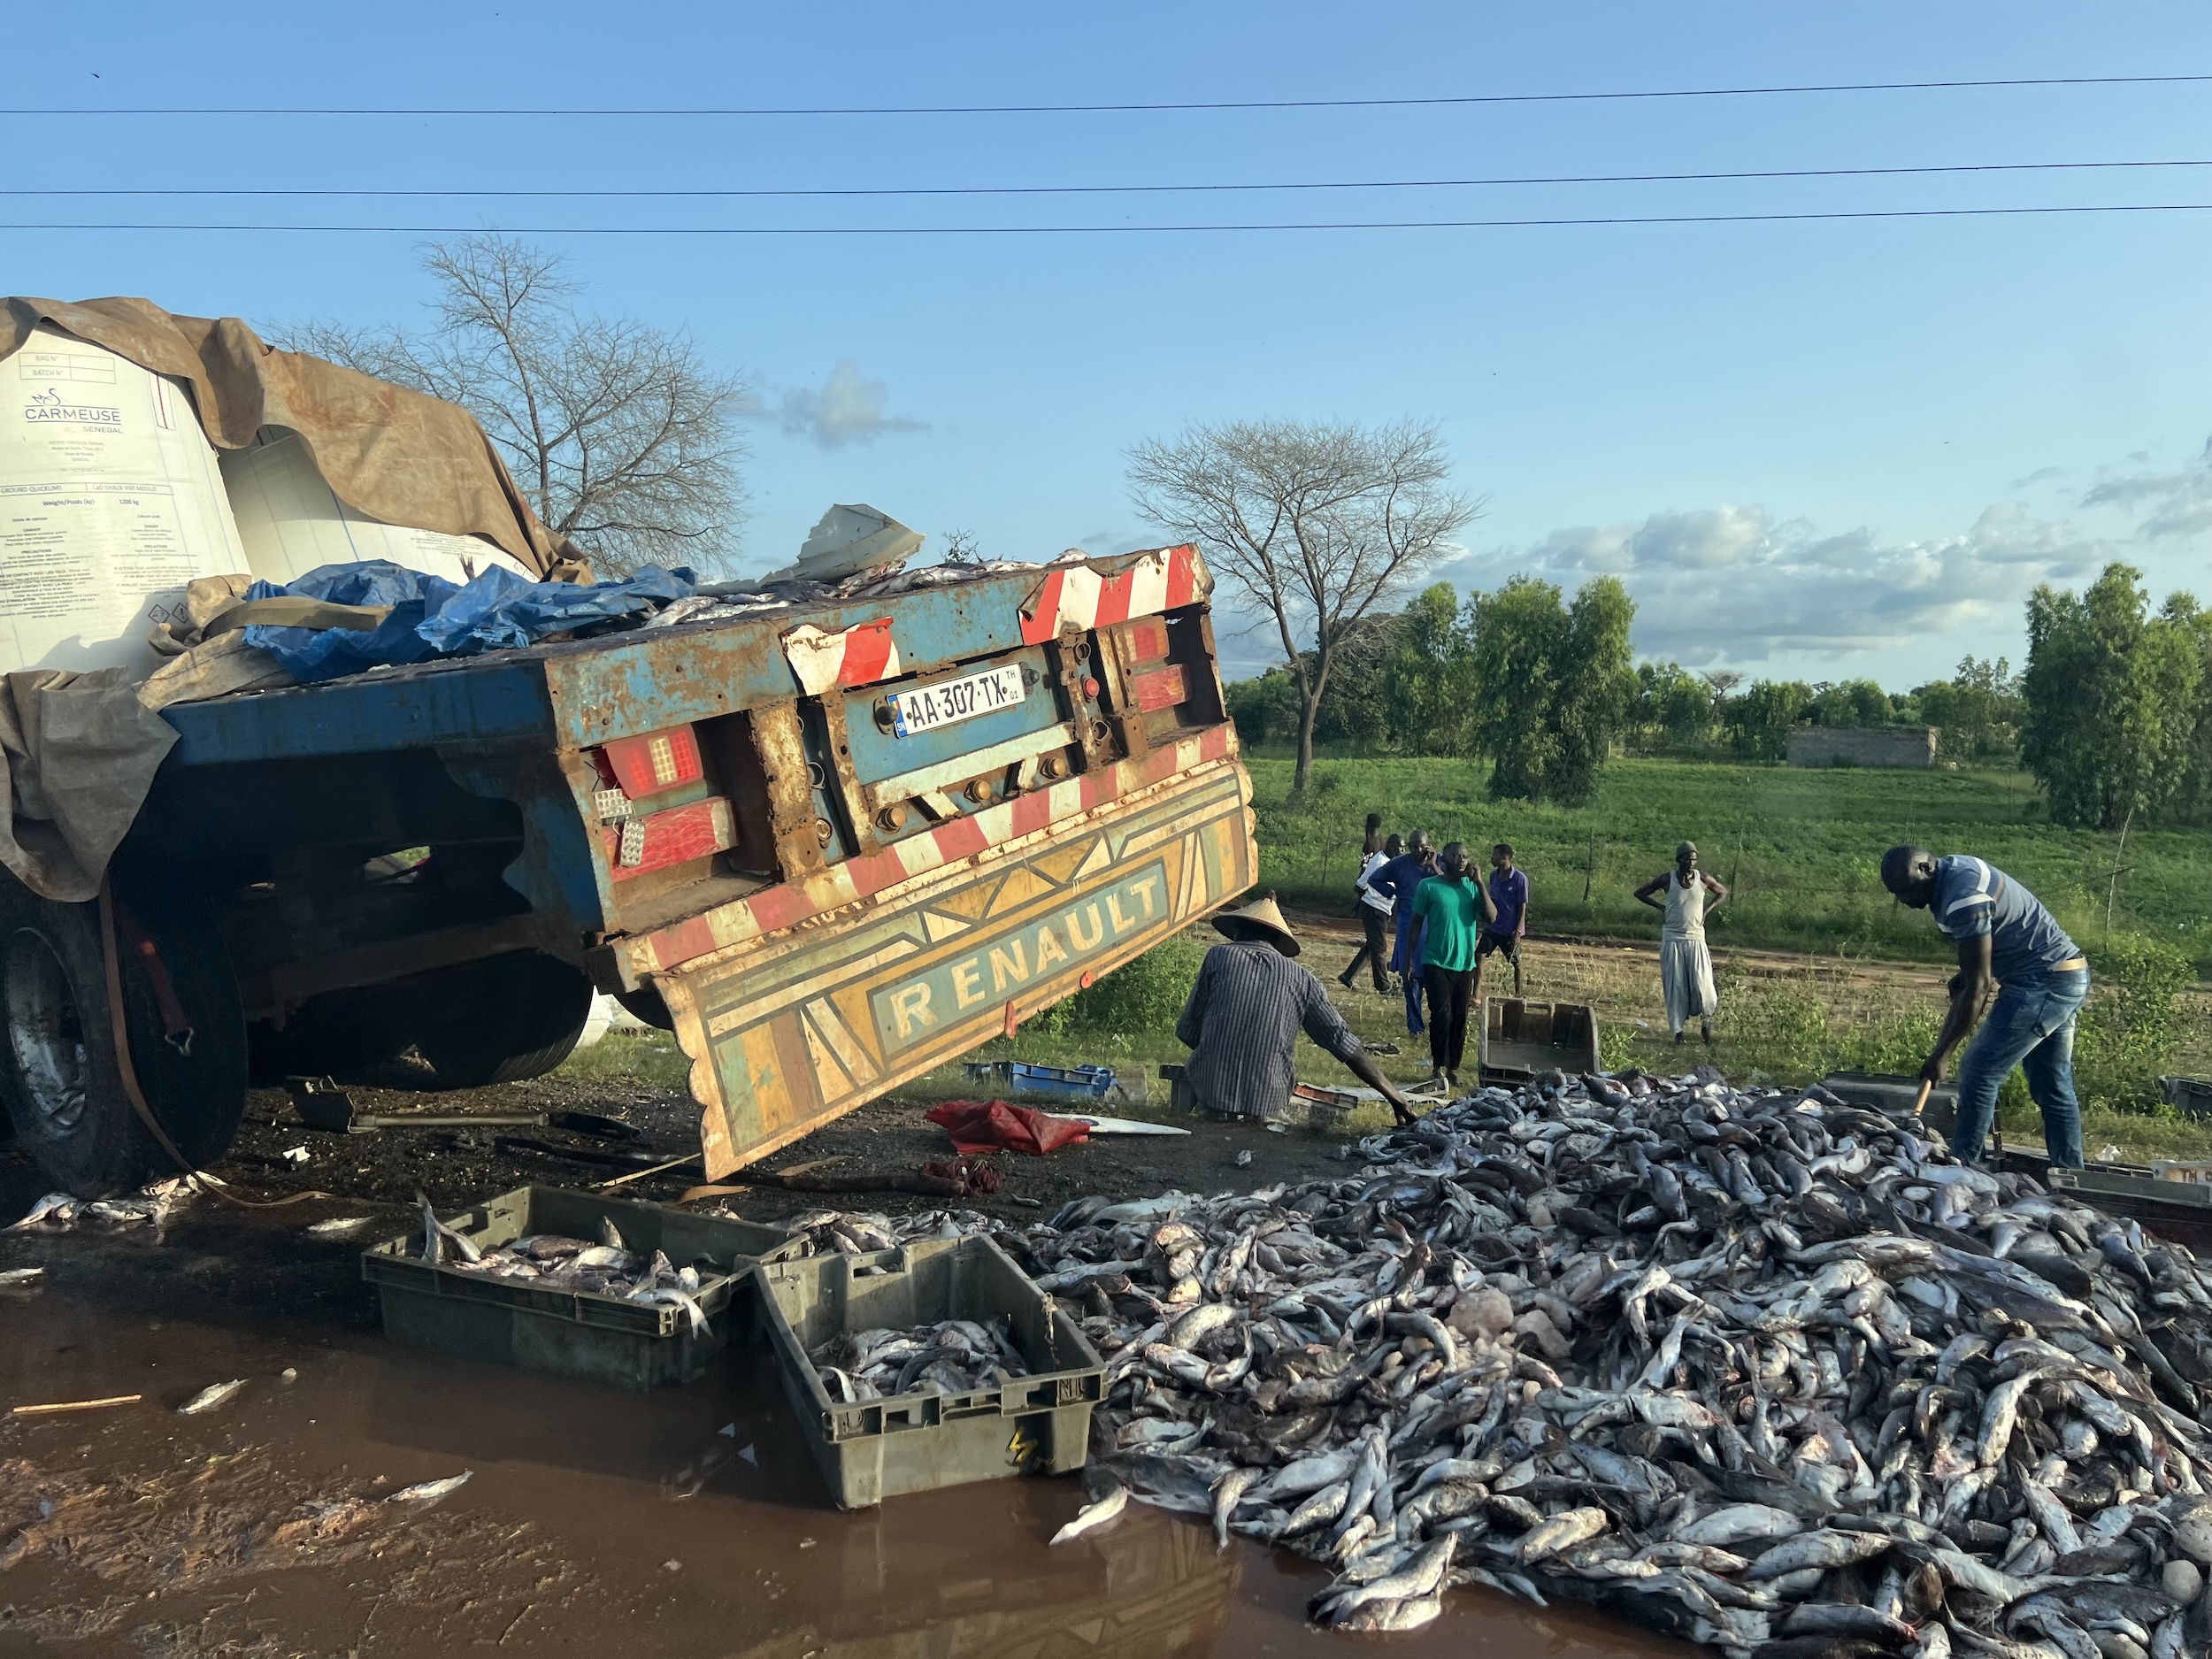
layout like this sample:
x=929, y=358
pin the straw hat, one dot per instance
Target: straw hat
x=1260, y=916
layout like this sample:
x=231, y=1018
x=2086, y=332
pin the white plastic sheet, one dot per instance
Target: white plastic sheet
x=290, y=521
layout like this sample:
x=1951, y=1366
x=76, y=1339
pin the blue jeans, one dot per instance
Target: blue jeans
x=1405, y=959
x=2032, y=1025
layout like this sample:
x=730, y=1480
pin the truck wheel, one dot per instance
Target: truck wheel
x=59, y=1081
x=501, y=1021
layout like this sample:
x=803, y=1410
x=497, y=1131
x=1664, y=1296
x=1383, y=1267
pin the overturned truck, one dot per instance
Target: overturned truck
x=829, y=846
x=831, y=832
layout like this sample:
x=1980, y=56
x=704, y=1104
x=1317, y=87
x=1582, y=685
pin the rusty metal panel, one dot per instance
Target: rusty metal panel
x=803, y=1027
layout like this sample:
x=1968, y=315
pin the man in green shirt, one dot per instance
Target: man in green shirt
x=1453, y=907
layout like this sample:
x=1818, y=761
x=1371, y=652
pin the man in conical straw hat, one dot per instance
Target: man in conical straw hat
x=1246, y=1011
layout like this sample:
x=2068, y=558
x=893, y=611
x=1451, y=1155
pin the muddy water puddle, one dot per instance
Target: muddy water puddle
x=687, y=1521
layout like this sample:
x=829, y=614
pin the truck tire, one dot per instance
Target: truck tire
x=501, y=1021
x=59, y=1079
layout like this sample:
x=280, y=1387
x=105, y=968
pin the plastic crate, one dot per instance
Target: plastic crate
x=1091, y=1084
x=919, y=1441
x=2190, y=1094
x=570, y=1333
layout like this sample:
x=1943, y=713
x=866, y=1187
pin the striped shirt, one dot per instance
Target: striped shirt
x=1242, y=1022
x=1973, y=898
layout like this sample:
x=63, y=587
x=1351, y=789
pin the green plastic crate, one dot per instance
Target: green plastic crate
x=569, y=1333
x=917, y=1441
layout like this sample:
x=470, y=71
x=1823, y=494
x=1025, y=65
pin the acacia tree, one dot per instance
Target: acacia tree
x=625, y=440
x=1316, y=522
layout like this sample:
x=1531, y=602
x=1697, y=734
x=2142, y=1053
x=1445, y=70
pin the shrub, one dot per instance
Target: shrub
x=2133, y=1024
x=1785, y=1023
x=1146, y=995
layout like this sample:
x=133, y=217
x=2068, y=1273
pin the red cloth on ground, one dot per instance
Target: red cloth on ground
x=995, y=1127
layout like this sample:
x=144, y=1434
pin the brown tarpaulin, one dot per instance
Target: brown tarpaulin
x=401, y=456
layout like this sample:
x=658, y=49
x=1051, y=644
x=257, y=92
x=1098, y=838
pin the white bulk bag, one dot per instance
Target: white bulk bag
x=111, y=501
x=290, y=521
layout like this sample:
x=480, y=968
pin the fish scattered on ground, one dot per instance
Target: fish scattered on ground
x=59, y=1212
x=953, y=1357
x=211, y=1396
x=1095, y=1516
x=431, y=1491
x=341, y=1228
x=1754, y=1368
x=20, y=1275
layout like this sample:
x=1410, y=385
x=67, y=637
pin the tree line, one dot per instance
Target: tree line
x=1485, y=680
x=2112, y=714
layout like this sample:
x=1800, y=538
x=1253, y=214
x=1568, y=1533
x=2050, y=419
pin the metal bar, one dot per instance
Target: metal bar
x=962, y=767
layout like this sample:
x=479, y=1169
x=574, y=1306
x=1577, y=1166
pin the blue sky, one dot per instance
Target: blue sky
x=1819, y=449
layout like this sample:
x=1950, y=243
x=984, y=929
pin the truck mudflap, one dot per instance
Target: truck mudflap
x=790, y=1029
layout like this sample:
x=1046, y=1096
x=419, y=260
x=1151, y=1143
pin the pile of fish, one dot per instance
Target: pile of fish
x=1761, y=1369
x=608, y=1268
x=954, y=1357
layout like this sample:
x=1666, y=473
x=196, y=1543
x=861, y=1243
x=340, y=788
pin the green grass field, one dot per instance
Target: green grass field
x=1800, y=849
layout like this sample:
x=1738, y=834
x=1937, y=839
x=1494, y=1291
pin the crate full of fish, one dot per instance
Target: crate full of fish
x=599, y=1289
x=931, y=1365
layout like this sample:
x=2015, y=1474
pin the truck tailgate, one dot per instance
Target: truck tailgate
x=969, y=828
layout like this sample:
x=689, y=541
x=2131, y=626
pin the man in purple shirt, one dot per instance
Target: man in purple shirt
x=1508, y=891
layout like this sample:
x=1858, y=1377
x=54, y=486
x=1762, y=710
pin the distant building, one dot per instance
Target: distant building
x=1899, y=746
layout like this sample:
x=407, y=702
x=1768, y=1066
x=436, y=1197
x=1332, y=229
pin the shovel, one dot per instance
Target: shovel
x=321, y=1106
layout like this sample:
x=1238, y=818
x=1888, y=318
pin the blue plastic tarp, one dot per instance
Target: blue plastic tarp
x=433, y=618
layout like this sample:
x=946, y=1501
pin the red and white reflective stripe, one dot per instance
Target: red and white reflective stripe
x=1077, y=596
x=860, y=656
x=790, y=902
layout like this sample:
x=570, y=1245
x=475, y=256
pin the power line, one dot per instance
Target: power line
x=1144, y=109
x=1125, y=230
x=1111, y=189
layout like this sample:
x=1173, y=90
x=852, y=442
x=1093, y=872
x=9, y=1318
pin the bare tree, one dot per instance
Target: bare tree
x=624, y=438
x=1318, y=523
x=961, y=547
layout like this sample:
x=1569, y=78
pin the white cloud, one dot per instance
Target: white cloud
x=847, y=409
x=1734, y=584
x=2169, y=503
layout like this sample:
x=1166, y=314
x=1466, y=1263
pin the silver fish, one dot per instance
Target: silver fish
x=211, y=1396
x=1560, y=1532
x=1227, y=1492
x=431, y=1491
x=1097, y=1515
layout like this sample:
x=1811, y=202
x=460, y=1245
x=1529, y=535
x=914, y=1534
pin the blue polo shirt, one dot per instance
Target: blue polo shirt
x=1973, y=898
x=1508, y=891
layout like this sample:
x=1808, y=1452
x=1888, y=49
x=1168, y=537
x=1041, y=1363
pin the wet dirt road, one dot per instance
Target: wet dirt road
x=688, y=1521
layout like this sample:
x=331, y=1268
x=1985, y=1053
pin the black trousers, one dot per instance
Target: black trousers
x=1449, y=989
x=1375, y=952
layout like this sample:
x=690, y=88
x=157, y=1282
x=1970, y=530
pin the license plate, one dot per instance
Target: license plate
x=926, y=708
